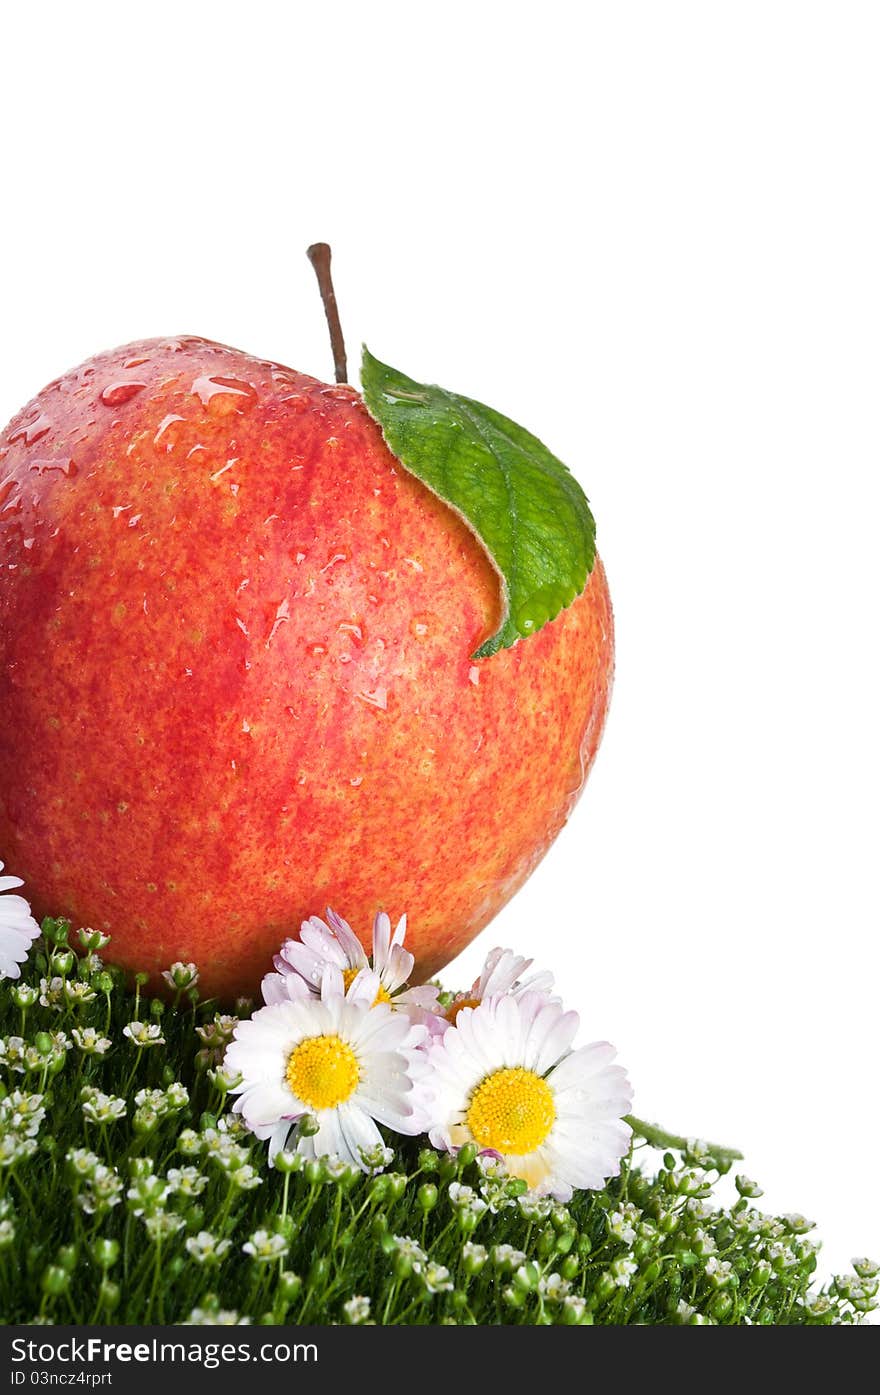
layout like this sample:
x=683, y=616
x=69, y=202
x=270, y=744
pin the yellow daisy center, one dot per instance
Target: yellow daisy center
x=323, y=1072
x=348, y=978
x=512, y=1111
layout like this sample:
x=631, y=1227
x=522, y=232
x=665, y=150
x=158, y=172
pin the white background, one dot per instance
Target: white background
x=651, y=233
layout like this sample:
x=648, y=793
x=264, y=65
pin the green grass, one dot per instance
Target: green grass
x=100, y=1215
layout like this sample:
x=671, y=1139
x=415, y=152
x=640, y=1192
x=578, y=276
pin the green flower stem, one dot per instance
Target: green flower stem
x=661, y=1138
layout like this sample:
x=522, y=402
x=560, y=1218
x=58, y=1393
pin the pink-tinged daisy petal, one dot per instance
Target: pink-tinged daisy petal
x=332, y=982
x=323, y=942
x=297, y=958
x=503, y=973
x=381, y=939
x=280, y=988
x=425, y=995
x=397, y=968
x=351, y=945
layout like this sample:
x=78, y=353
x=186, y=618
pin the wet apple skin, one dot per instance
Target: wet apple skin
x=236, y=673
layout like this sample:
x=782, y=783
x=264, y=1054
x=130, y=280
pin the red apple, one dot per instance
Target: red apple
x=236, y=681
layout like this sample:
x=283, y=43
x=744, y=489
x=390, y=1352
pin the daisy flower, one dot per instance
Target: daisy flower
x=301, y=963
x=501, y=973
x=344, y=1058
x=18, y=929
x=505, y=1077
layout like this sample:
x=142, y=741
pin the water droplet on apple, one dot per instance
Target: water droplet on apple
x=421, y=625
x=474, y=675
x=223, y=468
x=164, y=424
x=331, y=561
x=377, y=698
x=64, y=467
x=32, y=431
x=282, y=615
x=116, y=393
x=358, y=780
x=134, y=362
x=224, y=396
x=355, y=628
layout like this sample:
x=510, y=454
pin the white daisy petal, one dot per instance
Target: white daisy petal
x=584, y=1065
x=364, y=987
x=359, y=1132
x=18, y=929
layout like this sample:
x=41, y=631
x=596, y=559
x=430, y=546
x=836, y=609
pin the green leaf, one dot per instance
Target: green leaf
x=527, y=510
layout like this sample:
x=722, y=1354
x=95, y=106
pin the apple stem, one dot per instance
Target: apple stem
x=319, y=256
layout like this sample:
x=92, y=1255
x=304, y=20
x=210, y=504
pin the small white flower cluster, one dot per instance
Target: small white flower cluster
x=90, y=1041
x=99, y=1108
x=342, y=1043
x=44, y=1057
x=21, y=1115
x=206, y=1249
x=220, y=1148
x=7, y=1224
x=97, y=1187
x=623, y=1221
x=181, y=976
x=216, y=1036
x=144, y=1034
x=152, y=1106
x=212, y=1315
x=861, y=1288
